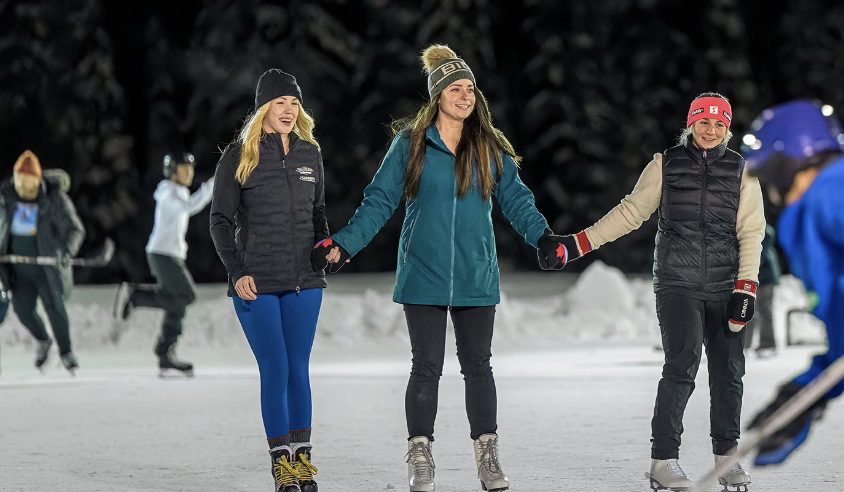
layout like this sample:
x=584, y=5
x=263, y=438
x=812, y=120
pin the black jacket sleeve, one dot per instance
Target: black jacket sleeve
x=224, y=204
x=319, y=219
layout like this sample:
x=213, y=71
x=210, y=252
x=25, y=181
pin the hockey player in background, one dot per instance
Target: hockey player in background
x=166, y=253
x=797, y=151
x=37, y=218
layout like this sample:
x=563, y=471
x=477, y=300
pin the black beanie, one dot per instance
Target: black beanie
x=275, y=83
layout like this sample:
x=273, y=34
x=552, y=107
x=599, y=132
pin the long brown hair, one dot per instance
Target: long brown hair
x=479, y=141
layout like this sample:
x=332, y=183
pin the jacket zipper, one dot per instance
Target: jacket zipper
x=453, y=220
x=702, y=222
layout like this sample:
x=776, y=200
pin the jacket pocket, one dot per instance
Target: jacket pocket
x=406, y=248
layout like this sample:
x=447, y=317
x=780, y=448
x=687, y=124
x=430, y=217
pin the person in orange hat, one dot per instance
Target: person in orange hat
x=37, y=218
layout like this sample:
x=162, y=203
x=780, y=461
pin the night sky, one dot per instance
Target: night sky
x=586, y=91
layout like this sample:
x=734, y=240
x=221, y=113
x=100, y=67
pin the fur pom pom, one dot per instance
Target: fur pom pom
x=434, y=53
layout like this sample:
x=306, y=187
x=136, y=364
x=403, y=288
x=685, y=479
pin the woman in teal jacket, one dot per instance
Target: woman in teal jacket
x=447, y=260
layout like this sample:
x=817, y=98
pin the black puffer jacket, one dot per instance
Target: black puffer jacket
x=697, y=249
x=60, y=232
x=267, y=227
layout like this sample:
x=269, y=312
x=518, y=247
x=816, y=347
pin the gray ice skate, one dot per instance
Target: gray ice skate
x=42, y=352
x=667, y=475
x=70, y=363
x=489, y=468
x=736, y=479
x=420, y=465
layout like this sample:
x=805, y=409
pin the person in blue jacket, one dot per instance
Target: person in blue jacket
x=797, y=150
x=447, y=162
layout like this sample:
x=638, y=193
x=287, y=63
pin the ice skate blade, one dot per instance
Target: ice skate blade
x=499, y=489
x=658, y=486
x=738, y=487
x=174, y=374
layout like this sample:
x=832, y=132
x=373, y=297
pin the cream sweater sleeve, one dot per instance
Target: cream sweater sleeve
x=750, y=228
x=633, y=210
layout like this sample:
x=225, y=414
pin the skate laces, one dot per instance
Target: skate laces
x=489, y=456
x=674, y=468
x=423, y=462
x=305, y=468
x=284, y=472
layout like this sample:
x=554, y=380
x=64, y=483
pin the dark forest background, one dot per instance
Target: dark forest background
x=586, y=90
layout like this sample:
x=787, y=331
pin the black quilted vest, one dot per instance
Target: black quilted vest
x=697, y=249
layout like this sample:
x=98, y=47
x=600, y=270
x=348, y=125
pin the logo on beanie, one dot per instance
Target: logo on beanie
x=727, y=115
x=713, y=109
x=697, y=111
x=453, y=67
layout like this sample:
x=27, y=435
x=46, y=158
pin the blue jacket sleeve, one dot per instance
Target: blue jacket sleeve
x=518, y=204
x=380, y=199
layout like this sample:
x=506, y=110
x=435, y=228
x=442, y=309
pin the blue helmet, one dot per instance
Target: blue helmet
x=785, y=138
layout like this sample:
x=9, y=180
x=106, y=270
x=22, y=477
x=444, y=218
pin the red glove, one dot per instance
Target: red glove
x=741, y=304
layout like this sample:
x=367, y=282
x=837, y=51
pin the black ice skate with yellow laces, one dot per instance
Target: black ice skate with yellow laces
x=284, y=471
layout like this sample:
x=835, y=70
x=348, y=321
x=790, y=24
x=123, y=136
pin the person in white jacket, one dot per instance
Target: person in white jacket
x=166, y=253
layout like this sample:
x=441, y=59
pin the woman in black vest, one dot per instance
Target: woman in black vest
x=706, y=265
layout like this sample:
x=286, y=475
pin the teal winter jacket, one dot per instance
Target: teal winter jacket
x=447, y=253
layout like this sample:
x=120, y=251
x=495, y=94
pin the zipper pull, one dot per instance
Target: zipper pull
x=704, y=154
x=298, y=289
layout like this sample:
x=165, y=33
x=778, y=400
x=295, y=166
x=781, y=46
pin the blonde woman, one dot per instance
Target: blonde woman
x=267, y=212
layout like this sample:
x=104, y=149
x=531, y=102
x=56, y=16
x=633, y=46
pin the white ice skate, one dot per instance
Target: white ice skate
x=489, y=468
x=736, y=479
x=667, y=475
x=420, y=465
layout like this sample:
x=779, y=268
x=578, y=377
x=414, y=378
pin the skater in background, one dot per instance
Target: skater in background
x=706, y=262
x=763, y=318
x=267, y=213
x=448, y=162
x=166, y=252
x=39, y=219
x=797, y=150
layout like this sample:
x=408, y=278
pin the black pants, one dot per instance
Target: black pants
x=686, y=324
x=763, y=318
x=30, y=284
x=473, y=333
x=173, y=293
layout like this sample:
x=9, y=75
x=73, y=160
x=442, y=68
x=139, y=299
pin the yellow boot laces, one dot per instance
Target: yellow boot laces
x=305, y=468
x=284, y=472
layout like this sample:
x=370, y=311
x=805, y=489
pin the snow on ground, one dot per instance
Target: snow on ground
x=573, y=359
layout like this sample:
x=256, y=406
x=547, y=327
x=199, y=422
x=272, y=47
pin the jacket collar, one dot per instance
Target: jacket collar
x=433, y=136
x=712, y=154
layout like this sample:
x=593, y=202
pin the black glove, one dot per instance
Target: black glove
x=550, y=252
x=742, y=303
x=577, y=245
x=321, y=250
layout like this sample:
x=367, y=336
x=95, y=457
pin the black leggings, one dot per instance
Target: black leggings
x=473, y=328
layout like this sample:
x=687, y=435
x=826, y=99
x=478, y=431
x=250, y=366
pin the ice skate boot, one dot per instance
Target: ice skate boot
x=42, y=353
x=284, y=472
x=304, y=467
x=123, y=302
x=736, y=479
x=70, y=363
x=489, y=469
x=420, y=465
x=667, y=475
x=169, y=366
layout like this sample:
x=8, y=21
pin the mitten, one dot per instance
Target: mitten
x=742, y=303
x=577, y=245
x=550, y=252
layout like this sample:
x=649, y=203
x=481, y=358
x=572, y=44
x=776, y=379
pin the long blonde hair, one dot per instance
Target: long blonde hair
x=250, y=136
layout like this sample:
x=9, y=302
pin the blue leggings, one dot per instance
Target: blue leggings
x=280, y=328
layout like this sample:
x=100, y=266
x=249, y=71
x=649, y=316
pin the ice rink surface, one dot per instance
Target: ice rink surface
x=576, y=386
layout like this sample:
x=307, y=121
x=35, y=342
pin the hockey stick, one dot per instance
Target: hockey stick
x=796, y=405
x=100, y=259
